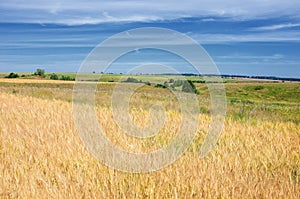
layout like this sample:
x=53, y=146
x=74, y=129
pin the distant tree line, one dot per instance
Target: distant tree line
x=232, y=76
x=262, y=77
x=184, y=85
x=42, y=74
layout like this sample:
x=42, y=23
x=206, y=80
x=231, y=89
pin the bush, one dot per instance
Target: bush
x=177, y=83
x=54, y=76
x=40, y=72
x=132, y=80
x=160, y=86
x=189, y=87
x=66, y=78
x=147, y=83
x=12, y=75
x=199, y=81
x=166, y=84
x=257, y=88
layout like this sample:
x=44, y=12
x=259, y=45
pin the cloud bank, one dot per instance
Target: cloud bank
x=78, y=12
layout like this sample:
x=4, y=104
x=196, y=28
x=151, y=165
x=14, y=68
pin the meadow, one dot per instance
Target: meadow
x=257, y=155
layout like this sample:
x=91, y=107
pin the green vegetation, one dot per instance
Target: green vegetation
x=189, y=87
x=40, y=72
x=67, y=78
x=160, y=86
x=12, y=75
x=268, y=92
x=132, y=80
x=54, y=76
x=245, y=101
x=176, y=85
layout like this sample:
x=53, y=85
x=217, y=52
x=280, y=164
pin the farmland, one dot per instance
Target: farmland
x=257, y=155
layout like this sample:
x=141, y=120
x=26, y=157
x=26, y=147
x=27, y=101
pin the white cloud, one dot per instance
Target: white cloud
x=208, y=20
x=259, y=63
x=98, y=11
x=258, y=37
x=79, y=41
x=277, y=26
x=107, y=19
x=262, y=57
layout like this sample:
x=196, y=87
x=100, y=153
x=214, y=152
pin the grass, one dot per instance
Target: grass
x=272, y=92
x=257, y=156
x=244, y=100
x=43, y=157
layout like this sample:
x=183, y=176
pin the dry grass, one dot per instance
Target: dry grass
x=41, y=81
x=36, y=81
x=41, y=156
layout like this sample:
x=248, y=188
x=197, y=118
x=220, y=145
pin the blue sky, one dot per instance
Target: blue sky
x=243, y=37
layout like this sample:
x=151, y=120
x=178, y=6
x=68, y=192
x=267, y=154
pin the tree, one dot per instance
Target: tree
x=177, y=83
x=54, y=76
x=132, y=80
x=12, y=75
x=147, y=83
x=171, y=81
x=189, y=87
x=40, y=72
x=166, y=84
x=66, y=78
x=160, y=86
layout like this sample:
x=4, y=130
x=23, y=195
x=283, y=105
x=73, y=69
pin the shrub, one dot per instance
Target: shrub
x=66, y=78
x=257, y=88
x=132, y=80
x=166, y=84
x=54, y=76
x=199, y=81
x=147, y=83
x=40, y=72
x=189, y=87
x=160, y=86
x=177, y=83
x=12, y=75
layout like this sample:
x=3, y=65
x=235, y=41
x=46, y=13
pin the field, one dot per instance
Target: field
x=257, y=155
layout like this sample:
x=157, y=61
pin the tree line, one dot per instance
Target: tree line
x=42, y=74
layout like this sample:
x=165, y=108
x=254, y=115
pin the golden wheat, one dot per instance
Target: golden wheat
x=41, y=156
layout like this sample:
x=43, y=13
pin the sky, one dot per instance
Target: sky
x=250, y=37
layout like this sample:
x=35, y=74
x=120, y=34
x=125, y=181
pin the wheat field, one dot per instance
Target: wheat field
x=42, y=156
